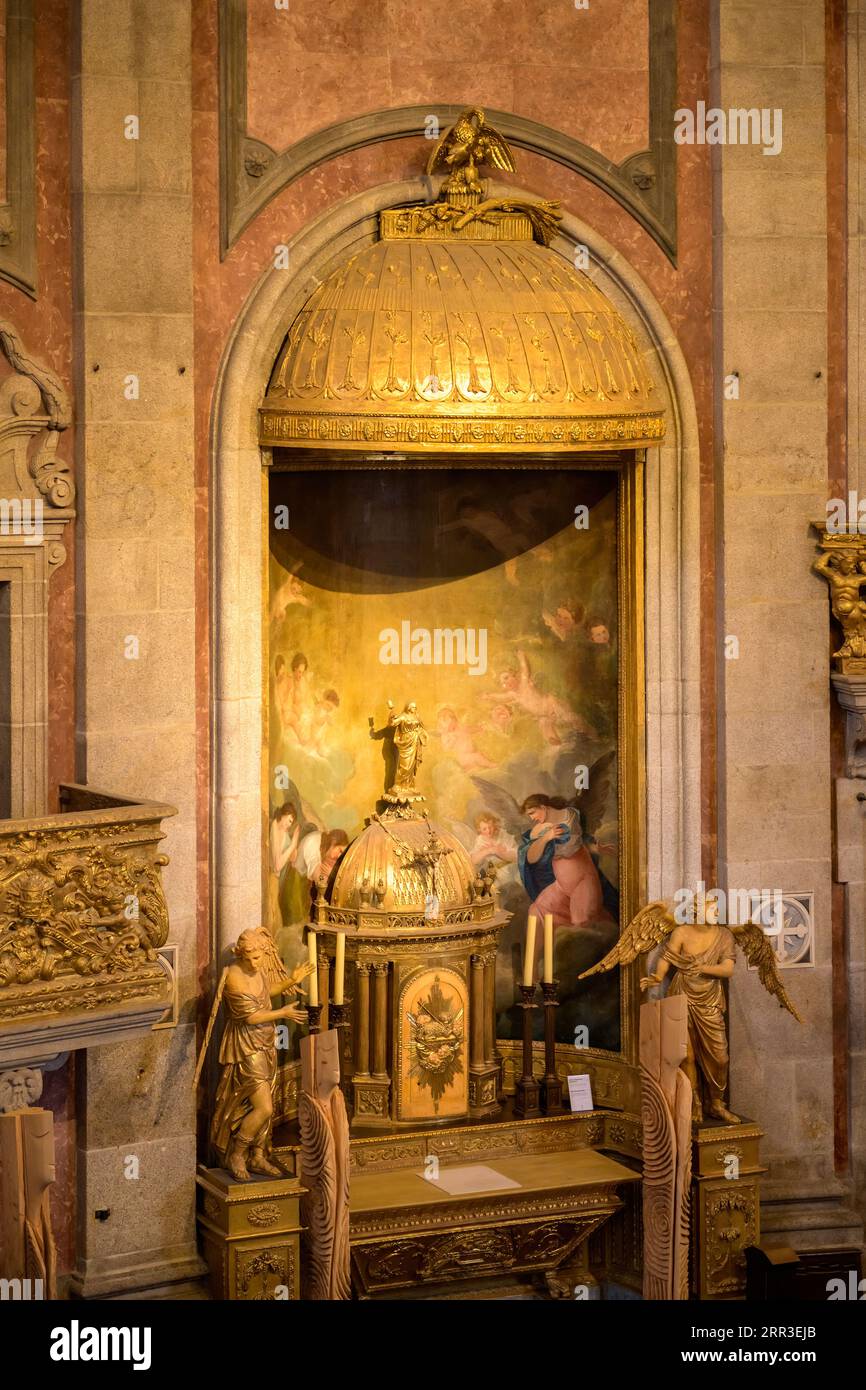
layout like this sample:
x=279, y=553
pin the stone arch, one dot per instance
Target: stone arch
x=672, y=613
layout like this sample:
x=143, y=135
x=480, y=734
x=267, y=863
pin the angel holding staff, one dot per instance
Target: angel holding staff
x=702, y=955
x=244, y=1108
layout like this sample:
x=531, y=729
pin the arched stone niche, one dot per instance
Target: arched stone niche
x=672, y=814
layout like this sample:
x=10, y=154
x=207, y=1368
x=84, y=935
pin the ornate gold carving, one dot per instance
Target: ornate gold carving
x=80, y=924
x=447, y=432
x=843, y=564
x=260, y=1272
x=396, y=1155
x=731, y=1227
x=370, y=1100
x=729, y=1151
x=461, y=329
x=263, y=1214
x=467, y=1254
x=445, y=1213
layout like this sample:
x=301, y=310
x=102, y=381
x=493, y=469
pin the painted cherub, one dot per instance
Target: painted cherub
x=554, y=716
x=458, y=740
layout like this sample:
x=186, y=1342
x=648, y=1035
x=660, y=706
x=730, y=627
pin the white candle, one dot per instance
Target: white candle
x=529, y=952
x=313, y=985
x=548, y=948
x=340, y=967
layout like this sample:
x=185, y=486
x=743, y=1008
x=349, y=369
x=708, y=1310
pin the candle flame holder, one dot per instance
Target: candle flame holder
x=551, y=1086
x=526, y=1104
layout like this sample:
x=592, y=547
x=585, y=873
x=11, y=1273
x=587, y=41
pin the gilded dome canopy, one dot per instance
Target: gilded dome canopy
x=461, y=329
x=405, y=872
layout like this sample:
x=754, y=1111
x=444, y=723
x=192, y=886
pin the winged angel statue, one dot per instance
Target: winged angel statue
x=701, y=955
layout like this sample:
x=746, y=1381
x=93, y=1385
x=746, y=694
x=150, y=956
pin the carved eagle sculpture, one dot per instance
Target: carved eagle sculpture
x=469, y=143
x=655, y=922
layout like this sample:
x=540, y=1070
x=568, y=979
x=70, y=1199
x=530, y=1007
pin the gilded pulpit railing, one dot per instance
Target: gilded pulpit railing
x=82, y=918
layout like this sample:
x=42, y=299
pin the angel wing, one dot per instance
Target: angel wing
x=757, y=947
x=462, y=832
x=502, y=802
x=273, y=969
x=308, y=816
x=591, y=803
x=649, y=928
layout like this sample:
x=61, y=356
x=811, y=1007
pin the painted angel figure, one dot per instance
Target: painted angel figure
x=701, y=956
x=558, y=854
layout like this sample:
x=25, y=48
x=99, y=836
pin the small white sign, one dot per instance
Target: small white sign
x=431, y=908
x=580, y=1092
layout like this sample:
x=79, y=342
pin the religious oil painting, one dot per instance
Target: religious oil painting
x=489, y=599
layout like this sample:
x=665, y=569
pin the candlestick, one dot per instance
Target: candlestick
x=529, y=953
x=551, y=1086
x=526, y=1094
x=340, y=968
x=548, y=948
x=314, y=1017
x=339, y=1020
x=313, y=988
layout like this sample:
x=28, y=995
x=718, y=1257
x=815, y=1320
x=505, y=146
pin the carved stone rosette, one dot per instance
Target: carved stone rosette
x=82, y=918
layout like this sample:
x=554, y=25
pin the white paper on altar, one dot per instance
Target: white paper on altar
x=475, y=1177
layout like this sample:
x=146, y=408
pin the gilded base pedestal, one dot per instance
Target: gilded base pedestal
x=250, y=1233
x=371, y=1101
x=483, y=1087
x=726, y=1206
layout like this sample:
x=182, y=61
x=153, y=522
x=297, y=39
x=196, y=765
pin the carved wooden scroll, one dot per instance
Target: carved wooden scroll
x=324, y=1169
x=666, y=1108
x=27, y=1250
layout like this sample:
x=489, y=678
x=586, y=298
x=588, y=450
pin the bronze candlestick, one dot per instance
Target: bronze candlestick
x=526, y=1095
x=551, y=1086
x=314, y=1015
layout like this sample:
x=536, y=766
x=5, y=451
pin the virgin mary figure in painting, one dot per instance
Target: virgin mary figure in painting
x=557, y=869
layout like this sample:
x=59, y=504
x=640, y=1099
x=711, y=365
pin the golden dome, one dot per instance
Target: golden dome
x=392, y=870
x=451, y=335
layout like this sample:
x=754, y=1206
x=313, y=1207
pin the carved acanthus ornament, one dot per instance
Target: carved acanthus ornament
x=36, y=488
